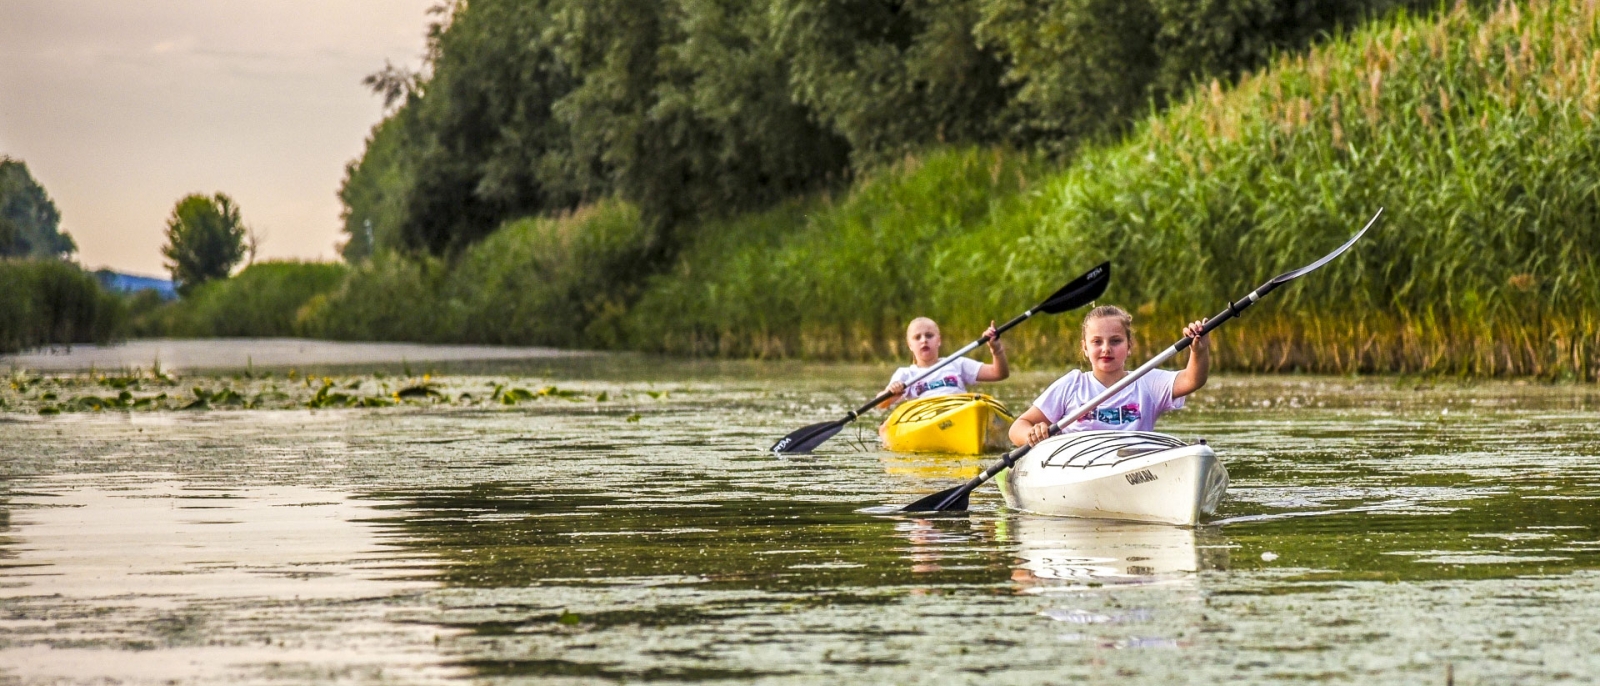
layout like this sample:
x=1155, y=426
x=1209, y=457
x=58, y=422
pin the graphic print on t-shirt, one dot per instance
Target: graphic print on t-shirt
x=1134, y=408
x=947, y=381
x=1127, y=414
x=955, y=378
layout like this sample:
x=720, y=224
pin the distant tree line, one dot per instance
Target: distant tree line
x=30, y=224
x=696, y=108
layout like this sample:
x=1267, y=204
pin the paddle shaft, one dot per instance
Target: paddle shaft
x=1233, y=310
x=946, y=361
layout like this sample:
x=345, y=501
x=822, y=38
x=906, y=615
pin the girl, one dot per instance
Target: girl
x=922, y=336
x=1107, y=340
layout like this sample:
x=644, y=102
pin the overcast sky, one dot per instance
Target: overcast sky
x=120, y=108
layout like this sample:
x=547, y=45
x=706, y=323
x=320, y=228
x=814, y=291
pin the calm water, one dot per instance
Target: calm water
x=1376, y=532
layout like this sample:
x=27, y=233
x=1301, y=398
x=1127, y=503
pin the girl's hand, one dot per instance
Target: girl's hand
x=1193, y=331
x=1038, y=432
x=993, y=336
x=896, y=388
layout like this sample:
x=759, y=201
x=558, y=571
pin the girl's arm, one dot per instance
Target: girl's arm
x=1194, y=375
x=895, y=388
x=1030, y=428
x=999, y=369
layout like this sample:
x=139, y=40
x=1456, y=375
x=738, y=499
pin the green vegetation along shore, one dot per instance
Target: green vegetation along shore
x=1475, y=129
x=48, y=301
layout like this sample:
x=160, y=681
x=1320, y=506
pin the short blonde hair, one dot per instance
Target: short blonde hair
x=1111, y=312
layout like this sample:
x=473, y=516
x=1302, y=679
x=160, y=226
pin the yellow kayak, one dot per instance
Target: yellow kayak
x=962, y=423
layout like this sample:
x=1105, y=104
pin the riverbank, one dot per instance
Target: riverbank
x=1471, y=128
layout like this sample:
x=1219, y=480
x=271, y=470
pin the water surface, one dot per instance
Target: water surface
x=1376, y=532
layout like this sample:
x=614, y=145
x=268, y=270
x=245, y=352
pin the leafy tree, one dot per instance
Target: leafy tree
x=29, y=220
x=694, y=108
x=206, y=238
x=1091, y=67
x=892, y=76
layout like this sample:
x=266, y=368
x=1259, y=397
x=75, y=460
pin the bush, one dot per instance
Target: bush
x=263, y=300
x=841, y=277
x=48, y=302
x=537, y=281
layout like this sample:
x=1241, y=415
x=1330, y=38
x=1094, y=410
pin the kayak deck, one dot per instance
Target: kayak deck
x=959, y=423
x=1130, y=475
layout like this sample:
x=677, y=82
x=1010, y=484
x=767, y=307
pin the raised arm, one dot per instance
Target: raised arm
x=1194, y=374
x=999, y=369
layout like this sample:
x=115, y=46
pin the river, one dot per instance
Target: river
x=633, y=529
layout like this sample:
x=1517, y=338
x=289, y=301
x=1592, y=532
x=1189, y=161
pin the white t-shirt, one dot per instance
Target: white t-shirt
x=1134, y=408
x=953, y=378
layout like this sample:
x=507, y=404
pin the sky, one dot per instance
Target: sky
x=121, y=108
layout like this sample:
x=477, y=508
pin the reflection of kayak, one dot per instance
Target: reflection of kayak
x=961, y=423
x=1137, y=475
x=1060, y=551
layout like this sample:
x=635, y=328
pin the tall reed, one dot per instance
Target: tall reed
x=1477, y=132
x=1474, y=130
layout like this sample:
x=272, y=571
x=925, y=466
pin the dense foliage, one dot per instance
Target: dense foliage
x=1478, y=134
x=29, y=220
x=1475, y=129
x=263, y=300
x=49, y=302
x=561, y=281
x=205, y=240
x=695, y=109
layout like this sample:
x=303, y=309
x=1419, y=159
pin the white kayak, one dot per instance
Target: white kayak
x=1134, y=475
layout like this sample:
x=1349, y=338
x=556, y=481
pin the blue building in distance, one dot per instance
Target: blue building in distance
x=129, y=283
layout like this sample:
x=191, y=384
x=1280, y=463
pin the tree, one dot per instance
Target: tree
x=29, y=220
x=206, y=238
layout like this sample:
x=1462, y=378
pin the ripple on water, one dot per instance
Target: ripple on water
x=1370, y=537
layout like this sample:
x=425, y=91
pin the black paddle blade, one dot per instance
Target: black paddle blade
x=1290, y=276
x=1082, y=291
x=807, y=438
x=932, y=502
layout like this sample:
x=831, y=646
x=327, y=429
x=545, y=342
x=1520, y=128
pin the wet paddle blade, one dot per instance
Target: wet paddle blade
x=932, y=503
x=807, y=438
x=1290, y=276
x=1081, y=291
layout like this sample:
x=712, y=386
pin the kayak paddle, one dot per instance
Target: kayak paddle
x=1081, y=291
x=956, y=498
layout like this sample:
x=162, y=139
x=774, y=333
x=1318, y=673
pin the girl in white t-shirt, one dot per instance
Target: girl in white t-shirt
x=1107, y=340
x=922, y=337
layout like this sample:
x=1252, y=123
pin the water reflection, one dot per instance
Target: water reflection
x=1062, y=553
x=151, y=577
x=165, y=537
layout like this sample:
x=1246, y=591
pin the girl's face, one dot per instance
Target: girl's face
x=1106, y=344
x=923, y=339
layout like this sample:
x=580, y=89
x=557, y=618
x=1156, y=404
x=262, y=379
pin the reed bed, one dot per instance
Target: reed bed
x=1475, y=129
x=1477, y=132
